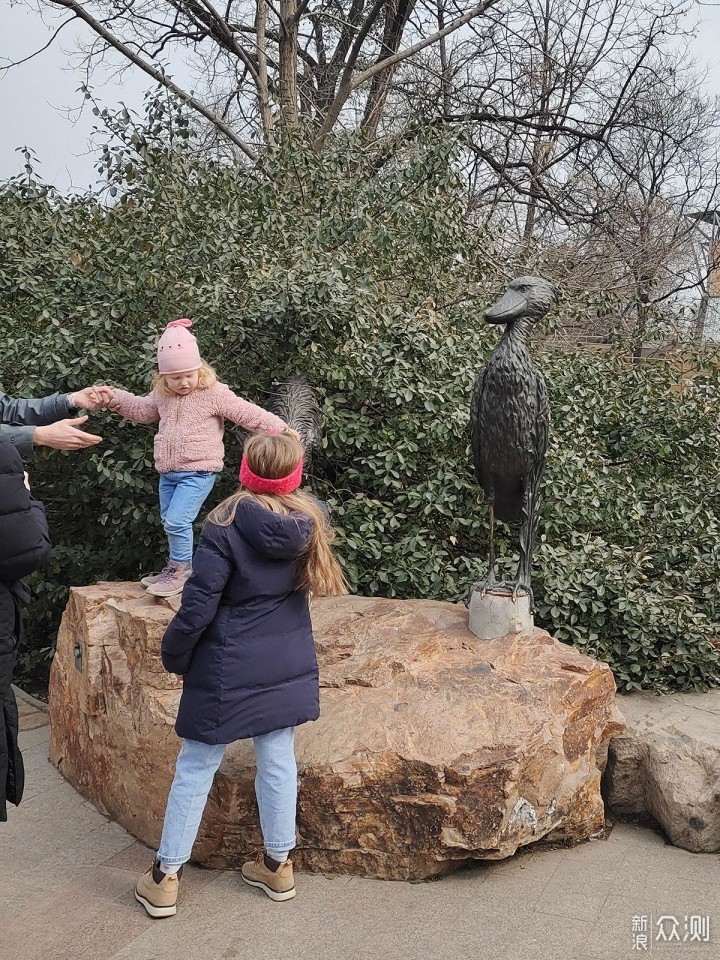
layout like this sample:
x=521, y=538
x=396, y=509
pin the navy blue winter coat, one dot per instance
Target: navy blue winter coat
x=242, y=637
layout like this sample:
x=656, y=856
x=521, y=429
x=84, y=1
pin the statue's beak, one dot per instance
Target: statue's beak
x=510, y=306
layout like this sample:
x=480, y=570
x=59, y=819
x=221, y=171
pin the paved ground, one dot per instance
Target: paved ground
x=67, y=876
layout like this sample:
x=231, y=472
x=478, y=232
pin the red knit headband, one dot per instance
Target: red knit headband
x=251, y=481
x=280, y=486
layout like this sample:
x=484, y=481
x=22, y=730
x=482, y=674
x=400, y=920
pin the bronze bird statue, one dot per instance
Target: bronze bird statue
x=509, y=423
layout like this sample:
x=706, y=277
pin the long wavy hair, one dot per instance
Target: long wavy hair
x=274, y=456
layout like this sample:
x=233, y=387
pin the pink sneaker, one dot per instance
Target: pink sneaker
x=172, y=580
x=154, y=577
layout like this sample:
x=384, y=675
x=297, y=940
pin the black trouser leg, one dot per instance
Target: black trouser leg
x=12, y=771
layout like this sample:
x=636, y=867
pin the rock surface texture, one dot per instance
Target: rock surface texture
x=667, y=765
x=432, y=747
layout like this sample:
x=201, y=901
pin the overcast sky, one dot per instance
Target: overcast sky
x=41, y=108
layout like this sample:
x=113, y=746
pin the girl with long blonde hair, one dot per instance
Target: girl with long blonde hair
x=242, y=641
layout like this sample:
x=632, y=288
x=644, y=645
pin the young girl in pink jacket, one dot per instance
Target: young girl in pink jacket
x=192, y=407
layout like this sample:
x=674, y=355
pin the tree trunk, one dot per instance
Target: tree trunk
x=397, y=13
x=444, y=63
x=263, y=88
x=531, y=214
x=699, y=326
x=539, y=146
x=288, y=62
x=643, y=314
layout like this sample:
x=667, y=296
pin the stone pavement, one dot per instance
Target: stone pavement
x=67, y=876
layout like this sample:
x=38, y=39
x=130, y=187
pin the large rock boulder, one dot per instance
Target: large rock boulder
x=667, y=765
x=432, y=747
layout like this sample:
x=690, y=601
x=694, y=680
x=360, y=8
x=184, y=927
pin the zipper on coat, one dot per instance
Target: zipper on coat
x=177, y=424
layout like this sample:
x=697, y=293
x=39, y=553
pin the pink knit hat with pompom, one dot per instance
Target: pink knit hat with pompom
x=177, y=350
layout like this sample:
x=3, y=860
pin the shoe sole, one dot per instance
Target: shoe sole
x=157, y=913
x=275, y=895
x=165, y=593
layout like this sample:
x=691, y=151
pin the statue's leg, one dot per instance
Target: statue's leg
x=491, y=578
x=534, y=520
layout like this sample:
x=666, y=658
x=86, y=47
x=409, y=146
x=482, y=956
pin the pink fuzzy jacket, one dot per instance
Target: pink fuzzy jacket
x=191, y=427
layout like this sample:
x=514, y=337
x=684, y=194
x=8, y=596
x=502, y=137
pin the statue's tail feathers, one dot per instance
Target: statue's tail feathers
x=296, y=402
x=508, y=499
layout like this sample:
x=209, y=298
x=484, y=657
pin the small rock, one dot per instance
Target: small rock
x=667, y=765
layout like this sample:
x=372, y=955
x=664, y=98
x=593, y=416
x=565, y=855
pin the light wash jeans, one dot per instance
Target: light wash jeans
x=182, y=494
x=275, y=789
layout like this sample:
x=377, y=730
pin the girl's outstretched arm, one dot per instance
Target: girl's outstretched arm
x=201, y=597
x=139, y=409
x=245, y=414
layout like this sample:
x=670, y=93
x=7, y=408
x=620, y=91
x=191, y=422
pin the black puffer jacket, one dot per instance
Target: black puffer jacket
x=24, y=545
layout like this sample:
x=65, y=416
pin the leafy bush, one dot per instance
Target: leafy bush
x=363, y=272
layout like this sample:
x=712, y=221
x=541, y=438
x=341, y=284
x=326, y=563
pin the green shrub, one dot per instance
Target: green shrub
x=364, y=274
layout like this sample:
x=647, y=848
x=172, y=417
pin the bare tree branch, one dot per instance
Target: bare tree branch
x=157, y=75
x=401, y=55
x=17, y=63
x=345, y=86
x=227, y=33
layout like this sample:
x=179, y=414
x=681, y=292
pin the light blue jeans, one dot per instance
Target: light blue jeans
x=275, y=789
x=182, y=494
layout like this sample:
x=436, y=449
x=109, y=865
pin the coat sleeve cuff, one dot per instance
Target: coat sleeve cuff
x=175, y=664
x=21, y=438
x=70, y=408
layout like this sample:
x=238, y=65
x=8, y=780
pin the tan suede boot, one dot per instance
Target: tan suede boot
x=277, y=884
x=158, y=891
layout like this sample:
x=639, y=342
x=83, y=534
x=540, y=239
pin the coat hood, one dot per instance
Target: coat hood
x=273, y=534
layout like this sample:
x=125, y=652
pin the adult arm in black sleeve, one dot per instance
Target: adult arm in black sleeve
x=201, y=597
x=24, y=539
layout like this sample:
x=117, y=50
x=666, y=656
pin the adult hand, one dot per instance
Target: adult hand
x=26, y=480
x=92, y=398
x=64, y=435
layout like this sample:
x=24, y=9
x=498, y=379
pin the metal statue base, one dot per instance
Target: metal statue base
x=495, y=612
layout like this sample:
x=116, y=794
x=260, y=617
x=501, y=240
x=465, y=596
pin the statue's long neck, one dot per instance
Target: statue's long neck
x=518, y=332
